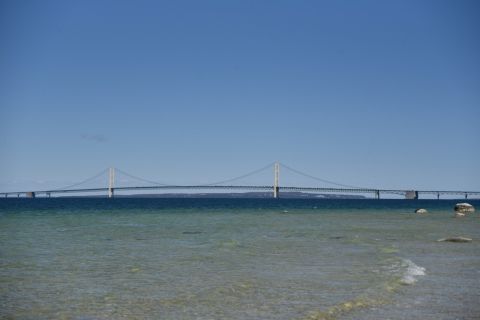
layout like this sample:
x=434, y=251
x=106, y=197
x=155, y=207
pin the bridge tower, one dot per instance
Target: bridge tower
x=276, y=188
x=111, y=182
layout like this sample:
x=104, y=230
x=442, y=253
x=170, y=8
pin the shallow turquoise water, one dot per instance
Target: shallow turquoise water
x=236, y=259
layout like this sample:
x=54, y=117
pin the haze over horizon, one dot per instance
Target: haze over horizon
x=380, y=94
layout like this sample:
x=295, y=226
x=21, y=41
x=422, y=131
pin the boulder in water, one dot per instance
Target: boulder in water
x=421, y=211
x=455, y=239
x=464, y=208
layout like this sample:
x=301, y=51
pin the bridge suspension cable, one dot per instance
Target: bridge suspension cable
x=239, y=177
x=157, y=183
x=203, y=185
x=319, y=179
x=84, y=181
x=142, y=179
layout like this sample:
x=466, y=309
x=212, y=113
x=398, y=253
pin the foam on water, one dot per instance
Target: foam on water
x=412, y=272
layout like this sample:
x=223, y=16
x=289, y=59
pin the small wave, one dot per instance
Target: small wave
x=400, y=272
x=412, y=272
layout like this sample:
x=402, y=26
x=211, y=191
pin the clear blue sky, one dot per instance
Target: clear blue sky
x=369, y=93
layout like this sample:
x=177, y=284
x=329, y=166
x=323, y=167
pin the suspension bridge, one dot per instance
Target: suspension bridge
x=276, y=189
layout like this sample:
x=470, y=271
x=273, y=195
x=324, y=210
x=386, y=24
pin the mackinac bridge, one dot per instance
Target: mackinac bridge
x=274, y=189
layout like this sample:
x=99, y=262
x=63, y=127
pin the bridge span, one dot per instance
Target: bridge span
x=276, y=189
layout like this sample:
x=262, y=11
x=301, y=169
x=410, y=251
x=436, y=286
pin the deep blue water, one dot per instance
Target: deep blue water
x=10, y=204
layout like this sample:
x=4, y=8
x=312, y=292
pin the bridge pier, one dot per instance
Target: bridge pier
x=438, y=195
x=466, y=196
x=48, y=194
x=276, y=192
x=412, y=195
x=30, y=194
x=377, y=194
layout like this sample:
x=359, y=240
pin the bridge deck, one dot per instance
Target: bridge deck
x=250, y=188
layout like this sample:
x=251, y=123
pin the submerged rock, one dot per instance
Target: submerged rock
x=464, y=208
x=455, y=239
x=421, y=211
x=192, y=232
x=336, y=237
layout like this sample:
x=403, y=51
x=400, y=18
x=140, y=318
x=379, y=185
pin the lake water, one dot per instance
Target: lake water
x=74, y=258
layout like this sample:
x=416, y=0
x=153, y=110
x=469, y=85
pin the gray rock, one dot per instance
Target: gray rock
x=421, y=211
x=455, y=239
x=464, y=208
